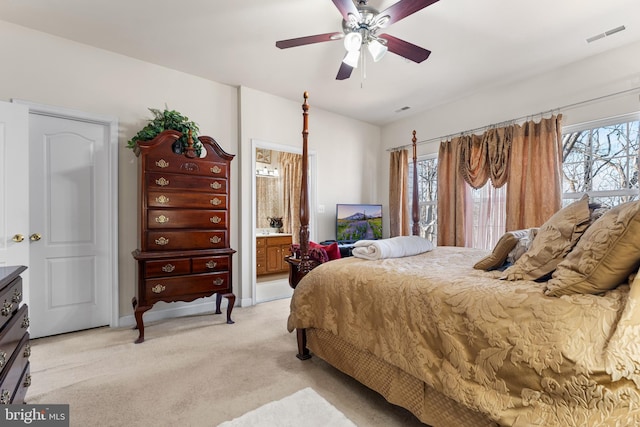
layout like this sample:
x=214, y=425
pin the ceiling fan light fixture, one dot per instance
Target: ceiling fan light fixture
x=351, y=58
x=353, y=41
x=377, y=50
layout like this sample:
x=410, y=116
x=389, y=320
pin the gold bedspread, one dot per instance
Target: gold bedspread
x=502, y=348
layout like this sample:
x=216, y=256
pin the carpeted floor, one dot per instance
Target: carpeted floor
x=192, y=371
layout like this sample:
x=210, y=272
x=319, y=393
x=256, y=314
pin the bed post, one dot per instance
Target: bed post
x=298, y=268
x=415, y=208
x=305, y=263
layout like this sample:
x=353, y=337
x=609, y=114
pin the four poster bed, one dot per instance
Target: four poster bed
x=464, y=346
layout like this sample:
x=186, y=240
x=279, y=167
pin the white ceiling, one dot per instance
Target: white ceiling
x=474, y=44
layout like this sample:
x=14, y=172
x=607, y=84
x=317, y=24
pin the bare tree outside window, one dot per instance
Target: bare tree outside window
x=602, y=161
x=427, y=196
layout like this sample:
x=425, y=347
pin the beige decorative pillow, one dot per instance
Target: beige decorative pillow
x=605, y=256
x=499, y=254
x=554, y=240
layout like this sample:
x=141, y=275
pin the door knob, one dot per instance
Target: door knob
x=35, y=237
x=18, y=238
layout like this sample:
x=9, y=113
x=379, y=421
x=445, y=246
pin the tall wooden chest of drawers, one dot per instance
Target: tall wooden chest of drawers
x=14, y=338
x=184, y=251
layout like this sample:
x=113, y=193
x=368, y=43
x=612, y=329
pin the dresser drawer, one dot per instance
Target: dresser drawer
x=179, y=287
x=11, y=378
x=170, y=267
x=210, y=263
x=186, y=218
x=175, y=240
x=179, y=164
x=11, y=334
x=10, y=299
x=23, y=386
x=171, y=199
x=159, y=181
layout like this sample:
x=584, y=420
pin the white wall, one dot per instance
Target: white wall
x=44, y=69
x=604, y=74
x=346, y=152
x=49, y=70
x=608, y=73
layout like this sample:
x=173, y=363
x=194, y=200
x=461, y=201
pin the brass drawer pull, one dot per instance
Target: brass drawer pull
x=25, y=322
x=168, y=268
x=218, y=281
x=211, y=264
x=27, y=381
x=215, y=239
x=215, y=201
x=5, y=396
x=158, y=288
x=162, y=219
x=216, y=185
x=162, y=199
x=162, y=181
x=27, y=351
x=162, y=163
x=216, y=169
x=7, y=308
x=215, y=219
x=3, y=358
x=17, y=296
x=162, y=241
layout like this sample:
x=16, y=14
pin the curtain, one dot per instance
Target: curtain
x=291, y=167
x=453, y=196
x=490, y=216
x=399, y=218
x=269, y=195
x=528, y=158
x=534, y=185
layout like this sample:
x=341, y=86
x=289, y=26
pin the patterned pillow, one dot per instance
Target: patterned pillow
x=554, y=240
x=605, y=256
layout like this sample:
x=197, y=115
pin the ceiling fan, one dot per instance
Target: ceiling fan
x=360, y=26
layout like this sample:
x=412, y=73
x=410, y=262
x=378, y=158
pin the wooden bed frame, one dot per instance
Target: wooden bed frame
x=299, y=267
x=395, y=385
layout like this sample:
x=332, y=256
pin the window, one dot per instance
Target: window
x=601, y=159
x=427, y=168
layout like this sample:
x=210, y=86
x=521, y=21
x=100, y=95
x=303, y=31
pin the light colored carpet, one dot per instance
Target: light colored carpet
x=192, y=371
x=303, y=408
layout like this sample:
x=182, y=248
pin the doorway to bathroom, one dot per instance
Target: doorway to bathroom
x=276, y=196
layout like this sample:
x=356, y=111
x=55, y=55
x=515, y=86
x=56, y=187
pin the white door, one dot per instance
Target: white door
x=14, y=186
x=69, y=194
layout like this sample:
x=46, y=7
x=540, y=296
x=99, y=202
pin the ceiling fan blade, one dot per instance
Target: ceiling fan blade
x=402, y=9
x=344, y=72
x=301, y=41
x=346, y=7
x=405, y=49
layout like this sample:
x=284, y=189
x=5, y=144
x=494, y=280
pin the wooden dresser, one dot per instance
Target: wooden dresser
x=14, y=338
x=184, y=250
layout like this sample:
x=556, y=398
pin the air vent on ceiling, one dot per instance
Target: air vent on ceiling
x=606, y=33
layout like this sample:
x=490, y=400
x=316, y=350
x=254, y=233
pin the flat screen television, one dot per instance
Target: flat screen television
x=358, y=222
